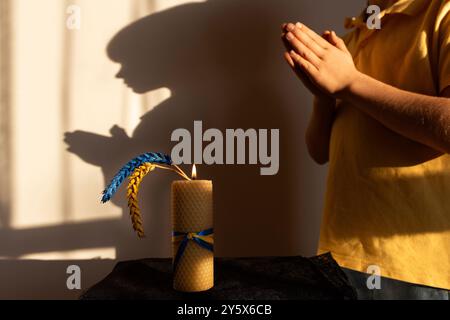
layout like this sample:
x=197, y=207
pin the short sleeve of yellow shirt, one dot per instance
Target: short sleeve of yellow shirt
x=388, y=198
x=444, y=50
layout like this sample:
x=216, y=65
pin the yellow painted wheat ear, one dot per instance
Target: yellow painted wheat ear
x=132, y=194
x=136, y=169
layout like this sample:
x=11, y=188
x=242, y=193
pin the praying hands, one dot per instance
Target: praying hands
x=326, y=68
x=325, y=61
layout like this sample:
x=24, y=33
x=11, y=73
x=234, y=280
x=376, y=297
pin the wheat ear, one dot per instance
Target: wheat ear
x=126, y=170
x=132, y=194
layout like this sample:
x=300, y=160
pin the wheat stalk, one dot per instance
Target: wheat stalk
x=175, y=169
x=127, y=169
x=136, y=170
x=132, y=196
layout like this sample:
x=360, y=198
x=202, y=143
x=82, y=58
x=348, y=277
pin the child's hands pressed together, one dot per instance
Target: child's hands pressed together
x=323, y=62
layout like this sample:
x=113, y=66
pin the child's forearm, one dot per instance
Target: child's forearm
x=424, y=119
x=319, y=129
x=330, y=68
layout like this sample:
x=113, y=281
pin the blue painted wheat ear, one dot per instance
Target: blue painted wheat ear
x=127, y=170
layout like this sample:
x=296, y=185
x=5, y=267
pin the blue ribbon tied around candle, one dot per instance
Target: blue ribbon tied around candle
x=203, y=238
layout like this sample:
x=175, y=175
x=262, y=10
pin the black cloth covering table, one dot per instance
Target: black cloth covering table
x=266, y=278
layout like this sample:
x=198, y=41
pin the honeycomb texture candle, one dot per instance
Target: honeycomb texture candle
x=192, y=212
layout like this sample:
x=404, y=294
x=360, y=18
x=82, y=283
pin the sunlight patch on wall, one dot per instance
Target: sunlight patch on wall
x=81, y=254
x=64, y=82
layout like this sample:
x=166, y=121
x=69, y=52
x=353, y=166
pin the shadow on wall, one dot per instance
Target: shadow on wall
x=222, y=61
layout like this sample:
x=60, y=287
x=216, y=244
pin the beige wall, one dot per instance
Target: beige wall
x=219, y=61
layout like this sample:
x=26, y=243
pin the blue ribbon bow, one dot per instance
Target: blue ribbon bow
x=203, y=238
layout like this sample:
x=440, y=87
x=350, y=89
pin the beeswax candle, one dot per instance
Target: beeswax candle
x=192, y=217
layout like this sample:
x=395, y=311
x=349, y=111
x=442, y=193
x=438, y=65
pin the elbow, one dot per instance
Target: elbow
x=321, y=161
x=321, y=157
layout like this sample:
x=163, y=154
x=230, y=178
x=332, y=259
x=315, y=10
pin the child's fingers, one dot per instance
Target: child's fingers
x=304, y=64
x=314, y=36
x=297, y=69
x=335, y=40
x=302, y=49
x=307, y=40
x=338, y=42
x=327, y=36
x=286, y=43
x=289, y=60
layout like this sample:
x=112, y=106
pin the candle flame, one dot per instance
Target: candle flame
x=194, y=172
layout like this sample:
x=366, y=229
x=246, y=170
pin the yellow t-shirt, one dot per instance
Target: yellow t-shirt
x=388, y=197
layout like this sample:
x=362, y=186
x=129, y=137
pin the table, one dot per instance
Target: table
x=266, y=278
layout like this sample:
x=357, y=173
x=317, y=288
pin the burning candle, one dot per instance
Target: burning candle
x=192, y=216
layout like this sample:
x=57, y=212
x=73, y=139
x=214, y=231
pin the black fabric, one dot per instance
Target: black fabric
x=272, y=278
x=391, y=289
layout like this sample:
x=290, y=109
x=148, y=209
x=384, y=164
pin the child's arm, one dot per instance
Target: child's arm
x=422, y=118
x=319, y=129
x=318, y=133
